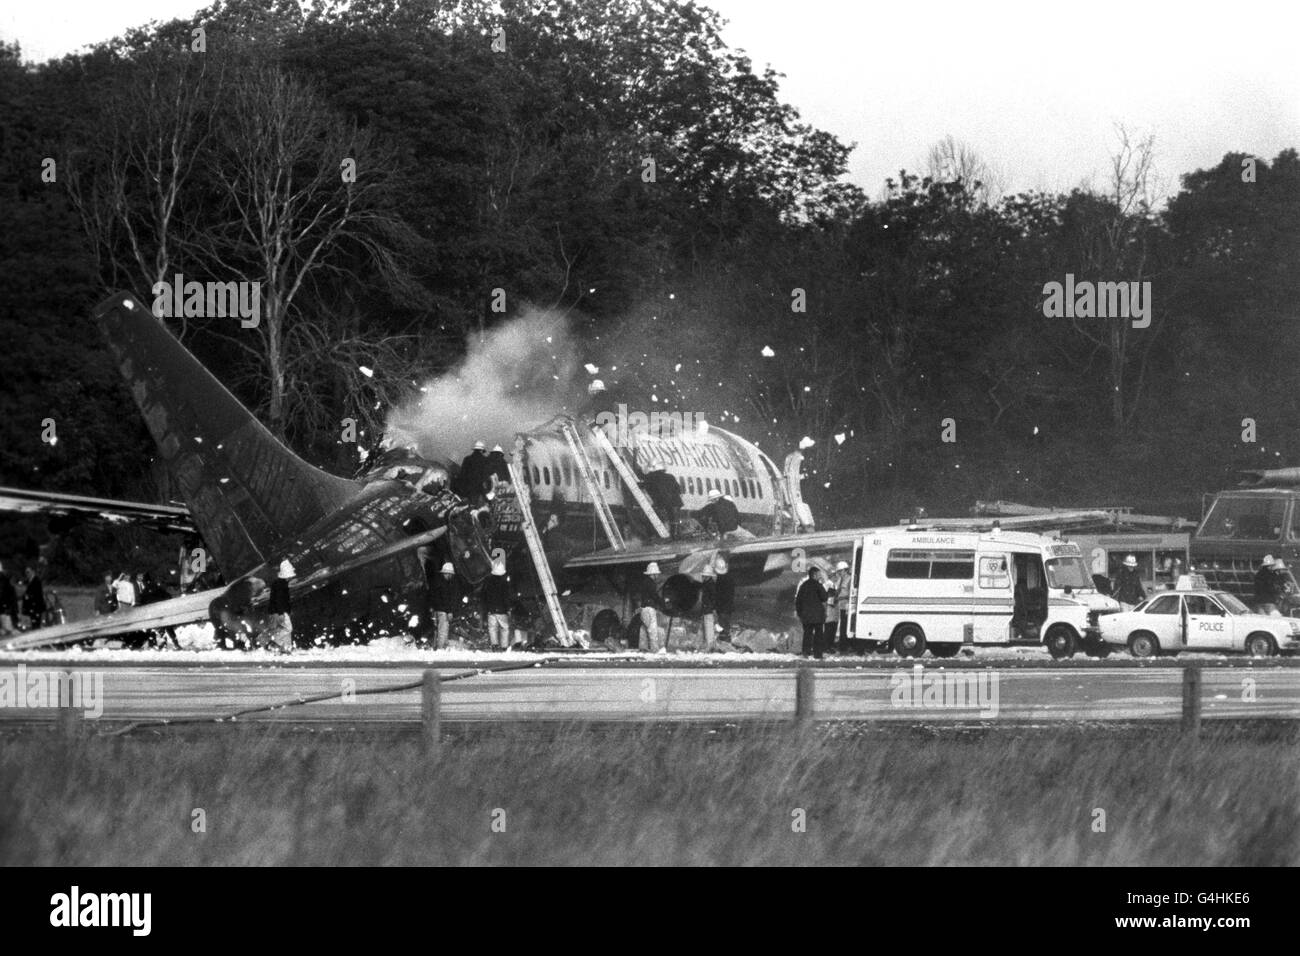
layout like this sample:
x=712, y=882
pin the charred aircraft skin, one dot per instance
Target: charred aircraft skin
x=255, y=502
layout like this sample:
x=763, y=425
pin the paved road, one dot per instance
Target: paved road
x=925, y=695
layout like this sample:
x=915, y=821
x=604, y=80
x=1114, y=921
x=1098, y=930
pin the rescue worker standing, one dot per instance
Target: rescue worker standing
x=1266, y=587
x=839, y=606
x=497, y=467
x=649, y=636
x=1281, y=584
x=662, y=490
x=474, y=471
x=1128, y=588
x=810, y=606
x=724, y=598
x=708, y=605
x=444, y=599
x=279, y=624
x=496, y=602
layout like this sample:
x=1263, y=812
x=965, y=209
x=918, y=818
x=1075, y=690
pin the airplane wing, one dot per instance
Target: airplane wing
x=186, y=609
x=165, y=518
x=814, y=544
x=191, y=608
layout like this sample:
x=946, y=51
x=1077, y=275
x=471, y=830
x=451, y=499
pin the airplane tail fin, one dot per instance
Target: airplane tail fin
x=247, y=492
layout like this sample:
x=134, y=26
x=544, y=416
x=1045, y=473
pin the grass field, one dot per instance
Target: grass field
x=656, y=795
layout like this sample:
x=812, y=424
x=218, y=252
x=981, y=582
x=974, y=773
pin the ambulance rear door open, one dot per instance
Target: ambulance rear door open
x=852, y=604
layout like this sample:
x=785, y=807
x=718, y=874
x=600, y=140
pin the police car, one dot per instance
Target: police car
x=1194, y=618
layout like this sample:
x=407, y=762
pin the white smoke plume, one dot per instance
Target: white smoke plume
x=512, y=379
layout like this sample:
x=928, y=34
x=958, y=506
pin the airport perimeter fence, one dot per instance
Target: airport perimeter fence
x=70, y=719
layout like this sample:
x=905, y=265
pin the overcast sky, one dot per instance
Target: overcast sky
x=1034, y=89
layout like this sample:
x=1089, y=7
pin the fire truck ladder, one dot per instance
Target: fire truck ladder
x=629, y=480
x=535, y=550
x=589, y=479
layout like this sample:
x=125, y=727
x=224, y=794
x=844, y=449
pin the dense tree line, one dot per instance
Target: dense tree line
x=507, y=146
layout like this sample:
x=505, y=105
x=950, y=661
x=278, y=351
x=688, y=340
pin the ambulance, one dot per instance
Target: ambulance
x=919, y=589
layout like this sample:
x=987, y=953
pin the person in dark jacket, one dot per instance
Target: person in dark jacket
x=34, y=599
x=720, y=515
x=496, y=602
x=1128, y=589
x=724, y=598
x=661, y=488
x=8, y=604
x=474, y=471
x=278, y=629
x=106, y=600
x=810, y=606
x=1266, y=587
x=444, y=601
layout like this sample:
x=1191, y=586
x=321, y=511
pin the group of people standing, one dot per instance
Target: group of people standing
x=820, y=604
x=480, y=472
x=447, y=599
x=32, y=608
x=717, y=603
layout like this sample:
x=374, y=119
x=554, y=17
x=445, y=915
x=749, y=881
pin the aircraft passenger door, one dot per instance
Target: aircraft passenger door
x=991, y=602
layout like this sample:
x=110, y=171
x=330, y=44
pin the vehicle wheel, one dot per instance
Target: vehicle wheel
x=908, y=641
x=945, y=650
x=1143, y=644
x=606, y=626
x=1260, y=644
x=1060, y=641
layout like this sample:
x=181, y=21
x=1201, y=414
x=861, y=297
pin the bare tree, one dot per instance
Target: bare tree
x=130, y=172
x=290, y=218
x=1113, y=244
x=950, y=161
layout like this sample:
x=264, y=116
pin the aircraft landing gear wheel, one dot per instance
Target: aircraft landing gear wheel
x=1143, y=645
x=908, y=641
x=1260, y=645
x=1060, y=642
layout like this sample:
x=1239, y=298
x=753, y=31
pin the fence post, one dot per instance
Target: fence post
x=431, y=713
x=804, y=694
x=1192, y=699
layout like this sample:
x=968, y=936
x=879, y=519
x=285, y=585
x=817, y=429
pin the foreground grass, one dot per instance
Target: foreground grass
x=655, y=795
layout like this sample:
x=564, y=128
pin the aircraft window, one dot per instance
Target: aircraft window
x=546, y=475
x=1166, y=604
x=681, y=481
x=744, y=487
x=606, y=474
x=734, y=489
x=537, y=476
